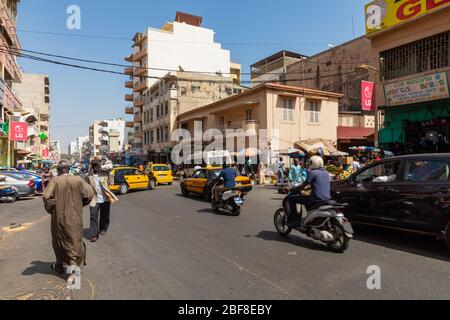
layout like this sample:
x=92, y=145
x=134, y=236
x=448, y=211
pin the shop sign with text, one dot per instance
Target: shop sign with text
x=383, y=14
x=422, y=89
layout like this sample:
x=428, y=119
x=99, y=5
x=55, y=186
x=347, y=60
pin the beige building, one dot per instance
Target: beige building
x=177, y=93
x=411, y=61
x=296, y=113
x=34, y=92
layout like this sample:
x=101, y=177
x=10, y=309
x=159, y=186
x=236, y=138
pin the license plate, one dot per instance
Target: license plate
x=162, y=175
x=238, y=200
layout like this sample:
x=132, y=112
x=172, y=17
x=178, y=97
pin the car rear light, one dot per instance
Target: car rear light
x=31, y=183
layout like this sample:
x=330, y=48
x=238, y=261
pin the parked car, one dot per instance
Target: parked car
x=25, y=187
x=27, y=175
x=160, y=172
x=410, y=193
x=129, y=178
x=200, y=182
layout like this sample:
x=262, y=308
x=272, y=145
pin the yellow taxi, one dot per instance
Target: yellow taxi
x=160, y=172
x=129, y=178
x=201, y=182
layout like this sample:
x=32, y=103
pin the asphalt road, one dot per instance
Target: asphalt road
x=164, y=246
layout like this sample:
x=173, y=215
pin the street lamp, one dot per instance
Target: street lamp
x=368, y=67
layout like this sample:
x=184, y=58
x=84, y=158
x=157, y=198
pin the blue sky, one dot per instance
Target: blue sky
x=80, y=97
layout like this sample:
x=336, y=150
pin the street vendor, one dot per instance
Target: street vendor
x=296, y=173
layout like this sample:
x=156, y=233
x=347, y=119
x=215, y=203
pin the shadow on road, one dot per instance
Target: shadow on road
x=40, y=267
x=211, y=211
x=292, y=239
x=418, y=244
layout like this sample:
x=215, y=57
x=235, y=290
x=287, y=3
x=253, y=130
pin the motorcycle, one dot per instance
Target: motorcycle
x=8, y=194
x=324, y=222
x=230, y=200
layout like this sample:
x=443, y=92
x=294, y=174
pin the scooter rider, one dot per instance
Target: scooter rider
x=229, y=181
x=319, y=179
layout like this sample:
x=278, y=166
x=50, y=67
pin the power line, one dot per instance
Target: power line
x=18, y=51
x=26, y=56
x=107, y=37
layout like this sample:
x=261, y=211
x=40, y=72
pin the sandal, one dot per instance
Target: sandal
x=57, y=268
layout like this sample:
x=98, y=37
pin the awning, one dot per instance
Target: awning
x=313, y=145
x=354, y=133
x=392, y=135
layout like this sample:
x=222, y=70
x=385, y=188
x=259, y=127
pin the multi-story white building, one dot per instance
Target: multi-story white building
x=73, y=149
x=107, y=136
x=181, y=45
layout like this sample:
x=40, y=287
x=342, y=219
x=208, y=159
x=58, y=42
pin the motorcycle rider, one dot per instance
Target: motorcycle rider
x=229, y=181
x=319, y=179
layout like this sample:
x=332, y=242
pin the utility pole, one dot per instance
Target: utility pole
x=8, y=147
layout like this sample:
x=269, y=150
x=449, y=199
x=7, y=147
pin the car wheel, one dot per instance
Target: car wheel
x=123, y=189
x=152, y=185
x=184, y=191
x=170, y=183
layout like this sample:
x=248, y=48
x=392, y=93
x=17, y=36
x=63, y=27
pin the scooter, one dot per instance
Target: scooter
x=231, y=200
x=8, y=194
x=323, y=221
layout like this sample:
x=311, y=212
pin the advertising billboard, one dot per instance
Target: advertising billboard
x=384, y=14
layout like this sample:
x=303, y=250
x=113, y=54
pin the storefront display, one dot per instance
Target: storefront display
x=420, y=128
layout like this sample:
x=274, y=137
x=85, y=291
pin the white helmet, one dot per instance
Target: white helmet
x=315, y=162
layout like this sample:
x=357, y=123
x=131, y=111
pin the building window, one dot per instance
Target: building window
x=151, y=115
x=314, y=110
x=416, y=57
x=166, y=134
x=248, y=115
x=166, y=107
x=157, y=112
x=221, y=122
x=151, y=137
x=288, y=110
x=47, y=99
x=158, y=137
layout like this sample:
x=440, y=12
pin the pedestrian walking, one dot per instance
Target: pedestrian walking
x=47, y=176
x=100, y=205
x=280, y=172
x=64, y=199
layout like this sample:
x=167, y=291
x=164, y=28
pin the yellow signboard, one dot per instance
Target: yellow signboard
x=383, y=14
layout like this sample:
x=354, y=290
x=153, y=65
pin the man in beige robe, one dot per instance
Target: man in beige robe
x=64, y=199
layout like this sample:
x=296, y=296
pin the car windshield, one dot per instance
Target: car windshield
x=161, y=168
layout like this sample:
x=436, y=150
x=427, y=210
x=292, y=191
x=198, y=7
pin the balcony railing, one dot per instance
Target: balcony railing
x=129, y=97
x=140, y=71
x=129, y=71
x=138, y=102
x=129, y=124
x=139, y=86
x=138, y=56
x=129, y=110
x=129, y=84
x=129, y=58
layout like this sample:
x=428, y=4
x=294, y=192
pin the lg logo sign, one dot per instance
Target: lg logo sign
x=73, y=22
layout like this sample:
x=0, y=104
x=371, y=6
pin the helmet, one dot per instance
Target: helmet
x=315, y=162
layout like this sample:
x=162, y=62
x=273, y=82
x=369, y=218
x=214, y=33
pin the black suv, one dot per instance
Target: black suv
x=409, y=192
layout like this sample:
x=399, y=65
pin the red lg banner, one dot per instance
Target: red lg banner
x=19, y=131
x=367, y=95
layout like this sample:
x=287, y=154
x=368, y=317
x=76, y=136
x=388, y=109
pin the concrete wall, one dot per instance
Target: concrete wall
x=334, y=70
x=193, y=48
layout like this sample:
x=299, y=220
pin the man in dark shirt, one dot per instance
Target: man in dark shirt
x=319, y=179
x=228, y=175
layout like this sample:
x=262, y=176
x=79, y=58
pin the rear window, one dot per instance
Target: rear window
x=427, y=170
x=161, y=168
